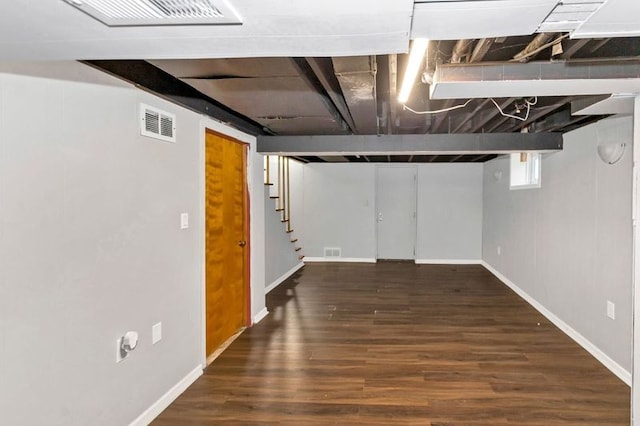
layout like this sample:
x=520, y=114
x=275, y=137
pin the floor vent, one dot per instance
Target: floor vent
x=117, y=13
x=332, y=252
x=157, y=124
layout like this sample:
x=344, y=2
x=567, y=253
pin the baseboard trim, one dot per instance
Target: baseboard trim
x=260, y=316
x=448, y=261
x=604, y=359
x=340, y=259
x=165, y=400
x=283, y=278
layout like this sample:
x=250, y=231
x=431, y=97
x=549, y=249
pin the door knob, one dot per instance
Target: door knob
x=242, y=243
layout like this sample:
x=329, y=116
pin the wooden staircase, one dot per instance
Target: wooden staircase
x=282, y=197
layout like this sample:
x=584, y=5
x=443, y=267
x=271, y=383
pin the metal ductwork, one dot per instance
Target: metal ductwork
x=357, y=78
x=512, y=79
x=461, y=50
x=533, y=47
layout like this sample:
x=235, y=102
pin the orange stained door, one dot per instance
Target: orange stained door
x=226, y=239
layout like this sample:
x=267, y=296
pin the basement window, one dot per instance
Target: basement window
x=525, y=170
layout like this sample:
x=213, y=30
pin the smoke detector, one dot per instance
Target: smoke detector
x=120, y=13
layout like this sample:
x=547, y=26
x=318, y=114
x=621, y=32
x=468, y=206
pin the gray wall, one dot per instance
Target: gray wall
x=90, y=247
x=449, y=212
x=569, y=244
x=338, y=210
x=280, y=254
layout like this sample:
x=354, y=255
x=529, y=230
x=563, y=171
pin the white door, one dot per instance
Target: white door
x=396, y=212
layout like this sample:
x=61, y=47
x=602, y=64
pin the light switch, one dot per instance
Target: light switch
x=184, y=220
x=156, y=333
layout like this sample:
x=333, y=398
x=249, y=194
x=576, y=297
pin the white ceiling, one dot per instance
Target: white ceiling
x=53, y=30
x=452, y=20
x=616, y=18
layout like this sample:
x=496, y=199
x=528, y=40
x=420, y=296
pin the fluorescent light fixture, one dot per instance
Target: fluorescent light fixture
x=418, y=50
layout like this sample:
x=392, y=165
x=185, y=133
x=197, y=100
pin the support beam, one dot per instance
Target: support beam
x=323, y=69
x=153, y=79
x=433, y=144
x=307, y=75
x=571, y=47
x=481, y=49
x=511, y=79
x=481, y=122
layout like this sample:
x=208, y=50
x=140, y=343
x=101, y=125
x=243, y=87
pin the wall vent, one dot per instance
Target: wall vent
x=157, y=124
x=332, y=252
x=118, y=13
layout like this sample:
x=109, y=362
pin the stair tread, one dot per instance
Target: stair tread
x=300, y=257
x=284, y=221
x=268, y=184
x=288, y=231
x=273, y=198
x=294, y=240
x=279, y=210
x=298, y=248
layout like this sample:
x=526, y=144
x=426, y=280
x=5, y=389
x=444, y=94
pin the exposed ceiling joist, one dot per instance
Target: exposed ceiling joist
x=147, y=76
x=323, y=70
x=435, y=144
x=310, y=78
x=481, y=48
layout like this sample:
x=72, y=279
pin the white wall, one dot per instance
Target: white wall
x=449, y=212
x=280, y=254
x=339, y=210
x=90, y=247
x=568, y=244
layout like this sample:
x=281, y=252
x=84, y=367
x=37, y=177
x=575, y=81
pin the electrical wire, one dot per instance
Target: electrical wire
x=437, y=110
x=526, y=117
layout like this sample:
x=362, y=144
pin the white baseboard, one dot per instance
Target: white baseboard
x=448, y=261
x=284, y=276
x=340, y=259
x=165, y=400
x=260, y=316
x=613, y=366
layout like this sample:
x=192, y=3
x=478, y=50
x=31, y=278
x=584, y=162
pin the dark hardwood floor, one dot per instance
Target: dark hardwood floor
x=398, y=343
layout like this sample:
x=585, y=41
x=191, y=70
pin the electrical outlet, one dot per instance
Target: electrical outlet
x=611, y=309
x=156, y=333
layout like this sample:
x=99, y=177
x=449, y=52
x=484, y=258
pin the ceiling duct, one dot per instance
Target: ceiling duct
x=357, y=78
x=117, y=13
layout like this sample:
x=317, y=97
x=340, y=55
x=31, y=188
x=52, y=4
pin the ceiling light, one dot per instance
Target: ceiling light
x=115, y=13
x=416, y=56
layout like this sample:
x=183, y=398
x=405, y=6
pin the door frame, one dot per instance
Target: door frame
x=247, y=231
x=415, y=204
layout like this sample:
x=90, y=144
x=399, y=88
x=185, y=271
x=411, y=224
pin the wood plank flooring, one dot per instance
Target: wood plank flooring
x=398, y=343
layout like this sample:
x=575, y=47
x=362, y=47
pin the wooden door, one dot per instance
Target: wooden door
x=226, y=241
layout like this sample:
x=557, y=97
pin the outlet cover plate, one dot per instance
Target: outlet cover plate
x=611, y=310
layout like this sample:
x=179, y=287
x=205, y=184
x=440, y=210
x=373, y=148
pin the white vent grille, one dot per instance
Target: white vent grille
x=116, y=13
x=332, y=252
x=157, y=124
x=569, y=15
